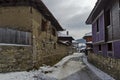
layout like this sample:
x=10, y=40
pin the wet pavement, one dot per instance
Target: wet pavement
x=71, y=67
x=83, y=74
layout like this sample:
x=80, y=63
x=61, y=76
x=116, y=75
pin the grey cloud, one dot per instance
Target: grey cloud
x=71, y=14
x=77, y=21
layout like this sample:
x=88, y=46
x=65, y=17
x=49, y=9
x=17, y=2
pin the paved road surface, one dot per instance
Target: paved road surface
x=72, y=68
x=84, y=74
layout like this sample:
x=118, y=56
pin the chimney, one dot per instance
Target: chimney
x=67, y=32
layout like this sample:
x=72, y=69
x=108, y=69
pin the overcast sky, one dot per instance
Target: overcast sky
x=72, y=14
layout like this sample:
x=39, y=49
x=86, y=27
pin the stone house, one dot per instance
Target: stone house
x=66, y=40
x=28, y=35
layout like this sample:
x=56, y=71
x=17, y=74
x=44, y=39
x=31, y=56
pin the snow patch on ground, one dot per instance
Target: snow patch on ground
x=17, y=76
x=33, y=75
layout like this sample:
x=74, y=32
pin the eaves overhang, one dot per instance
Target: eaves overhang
x=39, y=5
x=96, y=10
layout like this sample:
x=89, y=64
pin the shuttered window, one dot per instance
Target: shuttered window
x=98, y=25
x=11, y=36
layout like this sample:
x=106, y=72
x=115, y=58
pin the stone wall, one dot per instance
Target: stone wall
x=44, y=48
x=16, y=18
x=14, y=58
x=48, y=51
x=109, y=65
x=20, y=58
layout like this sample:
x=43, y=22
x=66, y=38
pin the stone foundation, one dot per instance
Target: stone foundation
x=108, y=65
x=15, y=58
x=20, y=58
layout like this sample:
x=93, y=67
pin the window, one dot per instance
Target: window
x=97, y=25
x=55, y=46
x=31, y=10
x=11, y=36
x=16, y=0
x=53, y=31
x=109, y=46
x=107, y=18
x=43, y=25
x=119, y=3
x=0, y=2
x=7, y=1
x=100, y=48
x=43, y=44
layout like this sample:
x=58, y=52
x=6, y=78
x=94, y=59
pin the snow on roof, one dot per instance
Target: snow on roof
x=63, y=35
x=75, y=42
x=90, y=42
x=65, y=42
x=88, y=34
